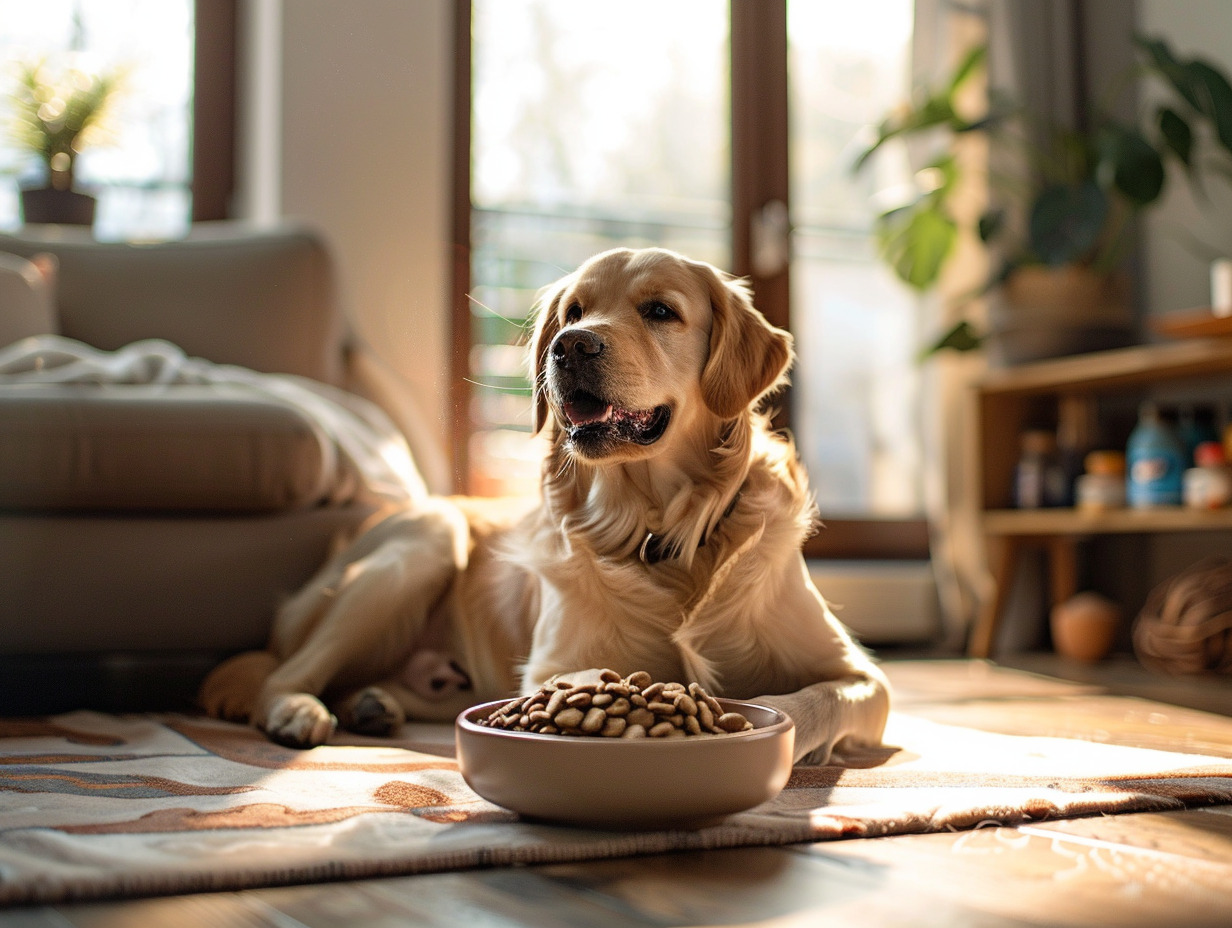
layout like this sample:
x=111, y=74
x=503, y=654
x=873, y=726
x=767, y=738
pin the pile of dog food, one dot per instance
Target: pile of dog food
x=618, y=707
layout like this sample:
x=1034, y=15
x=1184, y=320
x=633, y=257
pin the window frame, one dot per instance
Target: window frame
x=214, y=112
x=760, y=174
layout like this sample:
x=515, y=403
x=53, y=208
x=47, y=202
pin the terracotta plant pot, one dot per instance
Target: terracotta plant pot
x=1084, y=627
x=1048, y=312
x=66, y=207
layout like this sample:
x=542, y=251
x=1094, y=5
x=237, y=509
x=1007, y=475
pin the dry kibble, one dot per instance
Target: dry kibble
x=614, y=707
x=642, y=716
x=569, y=718
x=732, y=721
x=705, y=716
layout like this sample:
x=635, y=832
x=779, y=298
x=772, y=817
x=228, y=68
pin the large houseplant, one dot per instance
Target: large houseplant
x=57, y=112
x=1062, y=199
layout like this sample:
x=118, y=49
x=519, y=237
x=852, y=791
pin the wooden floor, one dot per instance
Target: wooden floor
x=1156, y=869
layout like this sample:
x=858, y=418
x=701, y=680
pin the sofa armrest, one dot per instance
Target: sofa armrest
x=182, y=447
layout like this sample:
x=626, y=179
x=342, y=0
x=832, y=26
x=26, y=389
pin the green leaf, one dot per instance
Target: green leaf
x=974, y=60
x=962, y=337
x=1176, y=134
x=1216, y=98
x=1172, y=70
x=933, y=112
x=1128, y=162
x=916, y=240
x=1066, y=222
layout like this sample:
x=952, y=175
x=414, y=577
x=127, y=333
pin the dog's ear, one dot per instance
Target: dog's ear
x=547, y=325
x=748, y=356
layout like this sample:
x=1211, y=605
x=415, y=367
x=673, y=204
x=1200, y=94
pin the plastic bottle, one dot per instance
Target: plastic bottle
x=1155, y=462
x=1209, y=484
x=1195, y=426
x=1075, y=436
x=1038, y=478
x=1102, y=487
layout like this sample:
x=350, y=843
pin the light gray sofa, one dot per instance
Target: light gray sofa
x=147, y=530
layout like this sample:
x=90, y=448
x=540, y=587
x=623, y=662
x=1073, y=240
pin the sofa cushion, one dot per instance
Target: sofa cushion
x=155, y=584
x=215, y=448
x=232, y=294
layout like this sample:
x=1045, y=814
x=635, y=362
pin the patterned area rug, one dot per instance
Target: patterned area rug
x=99, y=806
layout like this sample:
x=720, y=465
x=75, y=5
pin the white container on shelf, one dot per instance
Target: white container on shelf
x=1209, y=484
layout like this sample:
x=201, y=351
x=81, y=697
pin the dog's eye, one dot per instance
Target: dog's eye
x=573, y=314
x=657, y=311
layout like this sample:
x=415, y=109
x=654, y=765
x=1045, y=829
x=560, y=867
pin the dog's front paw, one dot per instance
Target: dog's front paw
x=298, y=720
x=371, y=711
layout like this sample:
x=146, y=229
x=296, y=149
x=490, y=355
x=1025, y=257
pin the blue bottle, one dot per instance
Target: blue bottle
x=1155, y=462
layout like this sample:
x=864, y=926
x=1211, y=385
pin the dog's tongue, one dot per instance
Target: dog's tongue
x=586, y=409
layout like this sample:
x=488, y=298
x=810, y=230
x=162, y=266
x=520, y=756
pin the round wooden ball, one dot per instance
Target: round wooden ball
x=1084, y=626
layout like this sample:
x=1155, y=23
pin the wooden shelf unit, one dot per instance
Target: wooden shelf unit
x=1008, y=401
x=1115, y=522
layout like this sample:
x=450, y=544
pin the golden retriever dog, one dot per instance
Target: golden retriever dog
x=667, y=539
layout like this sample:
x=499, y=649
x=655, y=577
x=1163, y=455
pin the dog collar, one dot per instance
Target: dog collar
x=652, y=551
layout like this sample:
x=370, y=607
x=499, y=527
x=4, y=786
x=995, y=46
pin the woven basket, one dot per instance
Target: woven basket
x=1186, y=624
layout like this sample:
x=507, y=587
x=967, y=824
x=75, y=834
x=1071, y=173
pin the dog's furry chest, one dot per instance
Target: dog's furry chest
x=622, y=614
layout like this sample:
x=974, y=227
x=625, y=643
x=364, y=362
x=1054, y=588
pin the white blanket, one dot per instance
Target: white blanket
x=366, y=457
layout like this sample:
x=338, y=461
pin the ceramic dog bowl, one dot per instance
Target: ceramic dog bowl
x=627, y=783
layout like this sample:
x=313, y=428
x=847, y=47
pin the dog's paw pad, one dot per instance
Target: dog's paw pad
x=298, y=720
x=373, y=712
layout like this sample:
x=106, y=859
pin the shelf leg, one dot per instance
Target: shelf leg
x=1062, y=567
x=984, y=633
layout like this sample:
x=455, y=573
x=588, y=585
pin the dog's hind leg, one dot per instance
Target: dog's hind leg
x=379, y=609
x=382, y=708
x=230, y=691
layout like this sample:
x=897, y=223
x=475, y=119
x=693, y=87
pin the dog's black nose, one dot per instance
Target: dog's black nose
x=576, y=344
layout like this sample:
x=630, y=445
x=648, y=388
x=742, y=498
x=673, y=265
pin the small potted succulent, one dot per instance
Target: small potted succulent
x=58, y=111
x=1059, y=227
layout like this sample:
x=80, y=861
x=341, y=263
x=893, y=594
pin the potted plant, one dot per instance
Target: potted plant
x=58, y=112
x=1063, y=200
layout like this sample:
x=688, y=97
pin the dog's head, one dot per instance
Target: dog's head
x=635, y=350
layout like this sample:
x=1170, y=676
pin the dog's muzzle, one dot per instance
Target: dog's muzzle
x=595, y=423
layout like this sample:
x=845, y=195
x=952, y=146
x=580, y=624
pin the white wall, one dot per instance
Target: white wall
x=1176, y=265
x=348, y=108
